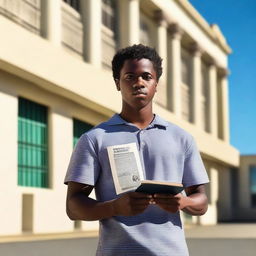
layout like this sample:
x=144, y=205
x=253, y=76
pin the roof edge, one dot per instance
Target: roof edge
x=213, y=31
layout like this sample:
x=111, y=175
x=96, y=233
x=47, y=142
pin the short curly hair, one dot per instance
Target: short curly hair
x=136, y=51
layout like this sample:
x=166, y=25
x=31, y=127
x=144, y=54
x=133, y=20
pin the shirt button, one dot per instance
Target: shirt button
x=143, y=143
x=142, y=132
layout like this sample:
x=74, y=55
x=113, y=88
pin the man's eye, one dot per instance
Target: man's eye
x=147, y=77
x=129, y=77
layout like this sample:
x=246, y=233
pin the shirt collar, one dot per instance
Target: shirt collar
x=117, y=120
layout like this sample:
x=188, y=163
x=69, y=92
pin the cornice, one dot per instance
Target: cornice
x=212, y=31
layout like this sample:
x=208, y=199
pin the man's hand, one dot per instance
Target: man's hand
x=195, y=203
x=131, y=203
x=170, y=203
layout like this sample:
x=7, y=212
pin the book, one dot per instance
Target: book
x=128, y=175
x=125, y=167
x=159, y=187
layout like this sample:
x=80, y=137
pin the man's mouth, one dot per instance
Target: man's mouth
x=139, y=92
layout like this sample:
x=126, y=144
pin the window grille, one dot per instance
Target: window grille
x=74, y=4
x=253, y=185
x=108, y=14
x=204, y=96
x=185, y=70
x=186, y=86
x=144, y=33
x=79, y=127
x=32, y=144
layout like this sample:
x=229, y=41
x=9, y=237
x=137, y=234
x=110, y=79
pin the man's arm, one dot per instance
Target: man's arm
x=195, y=203
x=80, y=207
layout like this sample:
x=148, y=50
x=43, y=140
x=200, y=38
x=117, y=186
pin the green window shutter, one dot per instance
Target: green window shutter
x=79, y=127
x=32, y=144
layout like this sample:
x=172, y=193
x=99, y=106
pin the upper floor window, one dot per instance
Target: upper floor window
x=185, y=70
x=253, y=185
x=108, y=14
x=185, y=85
x=148, y=30
x=74, y=4
x=144, y=33
x=204, y=96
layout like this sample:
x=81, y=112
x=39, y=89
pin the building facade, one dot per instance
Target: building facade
x=56, y=83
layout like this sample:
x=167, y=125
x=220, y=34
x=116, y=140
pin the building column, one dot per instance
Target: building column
x=51, y=21
x=91, y=18
x=213, y=114
x=224, y=103
x=174, y=69
x=196, y=83
x=212, y=191
x=129, y=20
x=161, y=47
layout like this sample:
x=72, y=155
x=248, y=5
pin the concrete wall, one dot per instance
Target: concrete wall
x=46, y=206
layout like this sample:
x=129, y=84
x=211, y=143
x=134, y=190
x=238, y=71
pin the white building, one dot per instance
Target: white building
x=56, y=81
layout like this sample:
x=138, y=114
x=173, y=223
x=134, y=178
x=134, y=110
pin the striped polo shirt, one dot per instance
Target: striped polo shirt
x=167, y=153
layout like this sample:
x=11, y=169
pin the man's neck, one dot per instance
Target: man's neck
x=141, y=118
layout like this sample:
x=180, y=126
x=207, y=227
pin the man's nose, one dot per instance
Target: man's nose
x=139, y=83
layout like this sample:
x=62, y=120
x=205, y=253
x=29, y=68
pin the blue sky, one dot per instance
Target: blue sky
x=237, y=20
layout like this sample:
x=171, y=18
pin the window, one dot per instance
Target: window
x=79, y=127
x=204, y=96
x=148, y=30
x=144, y=33
x=108, y=29
x=108, y=14
x=185, y=70
x=32, y=144
x=185, y=86
x=253, y=185
x=73, y=3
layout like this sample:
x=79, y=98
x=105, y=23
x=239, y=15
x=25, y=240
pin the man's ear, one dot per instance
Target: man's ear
x=117, y=84
x=156, y=87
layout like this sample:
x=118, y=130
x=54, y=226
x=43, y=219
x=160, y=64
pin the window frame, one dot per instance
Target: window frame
x=33, y=144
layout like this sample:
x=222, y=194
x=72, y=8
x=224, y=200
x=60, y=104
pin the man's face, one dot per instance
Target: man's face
x=137, y=83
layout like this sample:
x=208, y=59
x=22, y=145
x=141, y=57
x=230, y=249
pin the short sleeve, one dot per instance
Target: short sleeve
x=84, y=166
x=194, y=172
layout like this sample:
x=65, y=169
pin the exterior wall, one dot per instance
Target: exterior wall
x=74, y=83
x=9, y=196
x=48, y=205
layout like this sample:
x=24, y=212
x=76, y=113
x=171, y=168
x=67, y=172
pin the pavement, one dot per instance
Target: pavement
x=227, y=230
x=222, y=239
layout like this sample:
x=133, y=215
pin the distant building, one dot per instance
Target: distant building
x=56, y=83
x=245, y=189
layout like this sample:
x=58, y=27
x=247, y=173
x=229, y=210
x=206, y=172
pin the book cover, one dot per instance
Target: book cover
x=158, y=187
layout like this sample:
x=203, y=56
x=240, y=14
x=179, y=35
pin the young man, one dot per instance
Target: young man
x=136, y=223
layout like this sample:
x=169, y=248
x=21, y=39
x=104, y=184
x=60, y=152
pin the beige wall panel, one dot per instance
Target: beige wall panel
x=48, y=208
x=10, y=214
x=212, y=188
